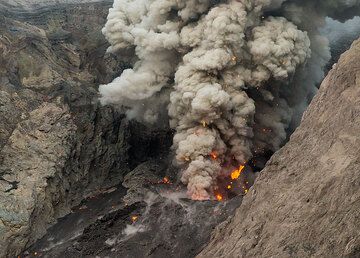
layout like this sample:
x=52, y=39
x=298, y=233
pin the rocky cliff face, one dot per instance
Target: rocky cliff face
x=306, y=201
x=57, y=143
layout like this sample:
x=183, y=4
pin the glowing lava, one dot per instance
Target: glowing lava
x=134, y=218
x=219, y=197
x=166, y=180
x=214, y=155
x=237, y=172
x=231, y=185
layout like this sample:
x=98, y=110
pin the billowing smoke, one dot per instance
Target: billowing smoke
x=232, y=77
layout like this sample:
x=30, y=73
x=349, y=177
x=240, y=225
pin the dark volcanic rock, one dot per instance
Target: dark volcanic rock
x=153, y=219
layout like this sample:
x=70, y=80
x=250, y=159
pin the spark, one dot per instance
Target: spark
x=214, y=155
x=166, y=180
x=219, y=197
x=134, y=218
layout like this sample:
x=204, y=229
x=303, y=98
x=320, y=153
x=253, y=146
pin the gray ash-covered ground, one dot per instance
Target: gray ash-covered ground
x=148, y=218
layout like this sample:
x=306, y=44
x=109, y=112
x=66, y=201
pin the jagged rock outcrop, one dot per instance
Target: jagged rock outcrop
x=306, y=202
x=57, y=143
x=36, y=151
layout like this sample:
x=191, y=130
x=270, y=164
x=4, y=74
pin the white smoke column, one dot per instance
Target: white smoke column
x=145, y=26
x=238, y=77
x=209, y=107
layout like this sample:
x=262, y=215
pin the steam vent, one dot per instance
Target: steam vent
x=179, y=128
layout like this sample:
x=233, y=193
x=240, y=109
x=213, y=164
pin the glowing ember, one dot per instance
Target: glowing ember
x=166, y=180
x=134, y=218
x=219, y=197
x=229, y=187
x=246, y=190
x=214, y=155
x=237, y=172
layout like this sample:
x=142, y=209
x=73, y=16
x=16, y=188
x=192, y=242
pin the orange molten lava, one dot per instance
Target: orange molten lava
x=237, y=172
x=219, y=197
x=166, y=180
x=231, y=185
x=214, y=155
x=134, y=218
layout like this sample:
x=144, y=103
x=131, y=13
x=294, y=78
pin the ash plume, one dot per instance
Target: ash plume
x=232, y=77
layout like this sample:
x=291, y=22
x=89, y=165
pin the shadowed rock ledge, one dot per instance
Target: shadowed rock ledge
x=306, y=202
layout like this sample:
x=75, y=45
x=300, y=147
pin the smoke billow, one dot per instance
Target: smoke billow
x=234, y=75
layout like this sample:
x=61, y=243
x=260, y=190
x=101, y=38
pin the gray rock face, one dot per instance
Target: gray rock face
x=306, y=201
x=36, y=151
x=57, y=143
